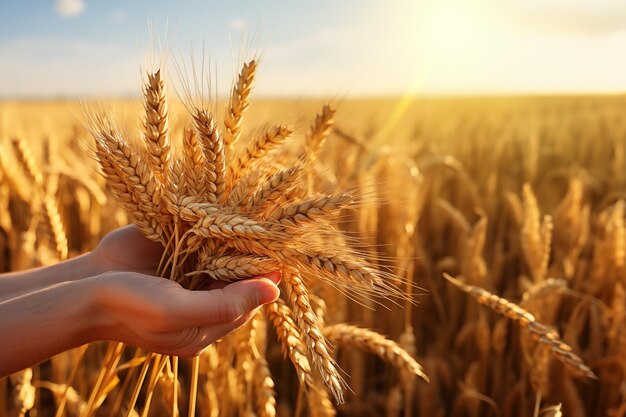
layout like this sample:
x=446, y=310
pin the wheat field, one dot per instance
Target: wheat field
x=440, y=257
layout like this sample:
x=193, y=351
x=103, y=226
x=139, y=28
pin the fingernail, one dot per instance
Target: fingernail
x=275, y=276
x=267, y=294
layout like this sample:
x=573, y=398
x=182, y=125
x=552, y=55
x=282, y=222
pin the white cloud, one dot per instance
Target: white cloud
x=239, y=24
x=570, y=17
x=69, y=8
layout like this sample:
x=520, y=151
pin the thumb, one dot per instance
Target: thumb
x=225, y=305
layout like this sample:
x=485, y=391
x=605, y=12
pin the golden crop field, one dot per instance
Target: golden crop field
x=439, y=257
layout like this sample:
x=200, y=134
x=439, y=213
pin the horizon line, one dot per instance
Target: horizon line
x=374, y=96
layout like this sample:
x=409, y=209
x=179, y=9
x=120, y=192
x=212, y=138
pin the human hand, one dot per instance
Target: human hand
x=127, y=249
x=160, y=316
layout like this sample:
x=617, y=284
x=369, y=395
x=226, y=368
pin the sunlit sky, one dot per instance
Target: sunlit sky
x=333, y=48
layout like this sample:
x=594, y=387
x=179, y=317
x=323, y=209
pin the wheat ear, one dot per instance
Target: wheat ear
x=27, y=161
x=239, y=101
x=274, y=189
x=539, y=331
x=264, y=388
x=235, y=267
x=122, y=192
x=311, y=334
x=288, y=333
x=156, y=124
x=310, y=210
x=212, y=145
x=53, y=218
x=127, y=161
x=347, y=335
x=272, y=138
x=320, y=130
x=193, y=167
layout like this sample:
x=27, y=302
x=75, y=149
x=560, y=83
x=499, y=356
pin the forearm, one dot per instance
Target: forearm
x=18, y=283
x=40, y=324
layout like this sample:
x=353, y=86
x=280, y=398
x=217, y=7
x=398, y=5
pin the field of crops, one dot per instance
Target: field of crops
x=470, y=254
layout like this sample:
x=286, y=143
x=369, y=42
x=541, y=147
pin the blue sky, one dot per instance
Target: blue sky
x=324, y=48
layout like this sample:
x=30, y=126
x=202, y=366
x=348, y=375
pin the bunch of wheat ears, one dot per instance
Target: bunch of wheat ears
x=227, y=215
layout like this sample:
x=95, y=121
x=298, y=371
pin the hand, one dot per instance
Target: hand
x=127, y=249
x=160, y=316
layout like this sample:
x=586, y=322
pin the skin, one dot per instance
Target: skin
x=112, y=294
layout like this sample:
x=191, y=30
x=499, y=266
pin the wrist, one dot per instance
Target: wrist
x=45, y=322
x=91, y=306
x=92, y=264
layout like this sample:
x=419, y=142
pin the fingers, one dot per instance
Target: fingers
x=162, y=316
x=191, y=342
x=219, y=306
x=215, y=285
